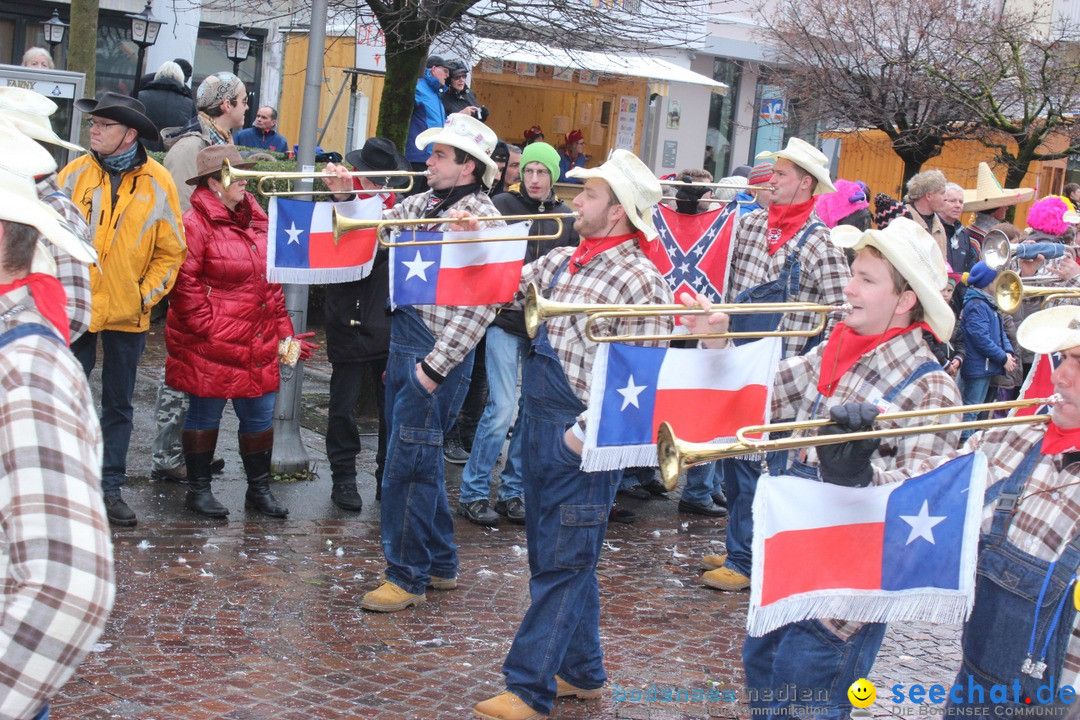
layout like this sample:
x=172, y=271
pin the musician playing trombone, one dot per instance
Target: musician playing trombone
x=876, y=356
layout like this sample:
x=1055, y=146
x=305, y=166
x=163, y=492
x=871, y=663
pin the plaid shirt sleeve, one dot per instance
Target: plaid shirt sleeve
x=73, y=275
x=57, y=561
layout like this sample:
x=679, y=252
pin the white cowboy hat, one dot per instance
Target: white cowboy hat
x=468, y=134
x=23, y=153
x=915, y=255
x=809, y=158
x=29, y=111
x=988, y=193
x=19, y=203
x=634, y=185
x=1051, y=330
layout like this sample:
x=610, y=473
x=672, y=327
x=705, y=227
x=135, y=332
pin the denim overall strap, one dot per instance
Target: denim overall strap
x=793, y=266
x=1009, y=490
x=21, y=331
x=548, y=393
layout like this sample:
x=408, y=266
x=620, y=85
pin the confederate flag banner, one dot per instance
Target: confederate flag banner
x=901, y=551
x=301, y=247
x=694, y=251
x=1038, y=383
x=706, y=395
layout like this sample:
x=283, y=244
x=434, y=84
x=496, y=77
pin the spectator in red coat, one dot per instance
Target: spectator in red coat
x=227, y=329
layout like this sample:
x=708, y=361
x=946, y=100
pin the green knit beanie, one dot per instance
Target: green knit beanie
x=542, y=153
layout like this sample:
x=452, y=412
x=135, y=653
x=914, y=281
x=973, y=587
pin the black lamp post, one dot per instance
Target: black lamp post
x=54, y=32
x=144, y=32
x=237, y=47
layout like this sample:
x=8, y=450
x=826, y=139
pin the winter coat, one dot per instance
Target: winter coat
x=455, y=101
x=961, y=255
x=565, y=166
x=138, y=234
x=427, y=113
x=184, y=145
x=985, y=341
x=936, y=229
x=253, y=137
x=225, y=317
x=517, y=202
x=169, y=104
x=363, y=301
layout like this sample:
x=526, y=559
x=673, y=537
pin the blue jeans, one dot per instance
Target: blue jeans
x=255, y=414
x=43, y=714
x=740, y=482
x=973, y=391
x=417, y=527
x=703, y=482
x=120, y=354
x=505, y=355
x=807, y=656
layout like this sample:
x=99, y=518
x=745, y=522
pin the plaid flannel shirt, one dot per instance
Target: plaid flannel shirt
x=56, y=556
x=621, y=275
x=869, y=379
x=72, y=274
x=457, y=330
x=823, y=275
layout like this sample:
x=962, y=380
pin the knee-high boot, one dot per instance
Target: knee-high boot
x=198, y=454
x=255, y=450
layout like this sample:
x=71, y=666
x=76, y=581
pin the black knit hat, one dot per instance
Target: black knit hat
x=888, y=209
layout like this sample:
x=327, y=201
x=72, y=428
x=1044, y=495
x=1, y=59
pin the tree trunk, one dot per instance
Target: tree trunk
x=403, y=67
x=914, y=152
x=1014, y=176
x=82, y=49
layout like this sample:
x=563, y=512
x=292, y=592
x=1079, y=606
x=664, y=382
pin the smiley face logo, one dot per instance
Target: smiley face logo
x=862, y=693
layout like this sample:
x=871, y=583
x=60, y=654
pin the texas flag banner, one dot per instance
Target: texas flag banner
x=485, y=273
x=706, y=395
x=694, y=251
x=302, y=249
x=903, y=551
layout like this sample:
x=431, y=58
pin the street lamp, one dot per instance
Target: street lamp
x=54, y=31
x=144, y=32
x=237, y=47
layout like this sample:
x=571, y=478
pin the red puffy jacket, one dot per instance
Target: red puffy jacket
x=224, y=318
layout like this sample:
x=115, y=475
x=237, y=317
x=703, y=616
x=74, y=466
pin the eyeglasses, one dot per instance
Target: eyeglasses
x=103, y=126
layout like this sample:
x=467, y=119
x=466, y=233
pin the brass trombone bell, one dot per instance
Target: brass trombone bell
x=539, y=309
x=679, y=183
x=1010, y=291
x=344, y=225
x=229, y=174
x=675, y=455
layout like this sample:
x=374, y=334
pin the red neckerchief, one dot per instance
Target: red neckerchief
x=1057, y=440
x=844, y=348
x=591, y=247
x=784, y=221
x=50, y=298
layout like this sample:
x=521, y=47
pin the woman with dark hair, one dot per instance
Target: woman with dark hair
x=226, y=331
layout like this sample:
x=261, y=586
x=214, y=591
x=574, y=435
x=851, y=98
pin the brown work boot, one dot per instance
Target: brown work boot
x=388, y=597
x=726, y=579
x=433, y=582
x=711, y=562
x=505, y=706
x=565, y=689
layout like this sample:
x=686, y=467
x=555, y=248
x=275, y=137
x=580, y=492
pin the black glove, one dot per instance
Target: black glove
x=848, y=463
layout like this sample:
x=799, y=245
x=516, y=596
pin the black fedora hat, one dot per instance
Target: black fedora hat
x=122, y=109
x=380, y=155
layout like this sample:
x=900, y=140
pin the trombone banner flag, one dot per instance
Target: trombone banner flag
x=694, y=251
x=902, y=551
x=302, y=249
x=479, y=273
x=704, y=394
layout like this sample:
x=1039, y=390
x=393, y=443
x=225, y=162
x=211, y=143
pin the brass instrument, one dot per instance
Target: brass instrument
x=344, y=225
x=676, y=455
x=538, y=309
x=679, y=183
x=997, y=251
x=229, y=174
x=1010, y=291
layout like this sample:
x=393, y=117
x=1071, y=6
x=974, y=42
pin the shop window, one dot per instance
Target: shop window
x=721, y=131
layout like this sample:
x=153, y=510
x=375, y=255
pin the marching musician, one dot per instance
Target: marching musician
x=556, y=652
x=877, y=357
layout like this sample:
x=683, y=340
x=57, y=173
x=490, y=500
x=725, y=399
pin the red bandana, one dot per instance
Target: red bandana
x=844, y=348
x=50, y=298
x=591, y=247
x=784, y=221
x=1057, y=440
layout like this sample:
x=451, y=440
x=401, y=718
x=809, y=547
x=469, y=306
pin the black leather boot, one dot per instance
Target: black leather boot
x=344, y=495
x=255, y=450
x=198, y=454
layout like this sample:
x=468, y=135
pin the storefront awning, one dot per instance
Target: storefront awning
x=659, y=71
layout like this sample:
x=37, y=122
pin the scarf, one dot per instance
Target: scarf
x=121, y=162
x=844, y=348
x=591, y=247
x=50, y=298
x=784, y=222
x=1057, y=440
x=442, y=199
x=217, y=135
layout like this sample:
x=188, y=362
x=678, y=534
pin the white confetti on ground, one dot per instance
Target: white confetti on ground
x=181, y=560
x=675, y=581
x=203, y=572
x=486, y=573
x=656, y=533
x=100, y=647
x=437, y=642
x=518, y=550
x=340, y=552
x=144, y=544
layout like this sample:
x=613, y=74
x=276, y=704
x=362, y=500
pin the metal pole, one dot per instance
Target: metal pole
x=138, y=70
x=289, y=455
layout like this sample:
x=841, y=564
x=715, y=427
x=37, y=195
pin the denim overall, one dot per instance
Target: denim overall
x=565, y=523
x=1022, y=605
x=417, y=526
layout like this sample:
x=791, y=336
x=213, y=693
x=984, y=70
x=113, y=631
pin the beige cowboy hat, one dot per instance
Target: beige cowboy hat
x=468, y=134
x=1051, y=330
x=19, y=203
x=29, y=111
x=915, y=255
x=634, y=185
x=23, y=153
x=988, y=193
x=809, y=158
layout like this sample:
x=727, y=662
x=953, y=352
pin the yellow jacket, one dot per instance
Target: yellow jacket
x=139, y=240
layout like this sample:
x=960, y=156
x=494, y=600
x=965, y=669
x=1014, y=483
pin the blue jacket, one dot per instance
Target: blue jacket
x=961, y=254
x=747, y=203
x=565, y=166
x=984, y=336
x=253, y=137
x=427, y=113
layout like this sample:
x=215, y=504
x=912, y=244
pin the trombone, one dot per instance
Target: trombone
x=229, y=174
x=1010, y=291
x=675, y=455
x=997, y=250
x=343, y=225
x=680, y=183
x=539, y=309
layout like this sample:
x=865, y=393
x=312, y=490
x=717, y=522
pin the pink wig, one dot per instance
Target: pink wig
x=1046, y=215
x=834, y=207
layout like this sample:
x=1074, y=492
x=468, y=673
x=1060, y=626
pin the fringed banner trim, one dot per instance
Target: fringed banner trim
x=317, y=276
